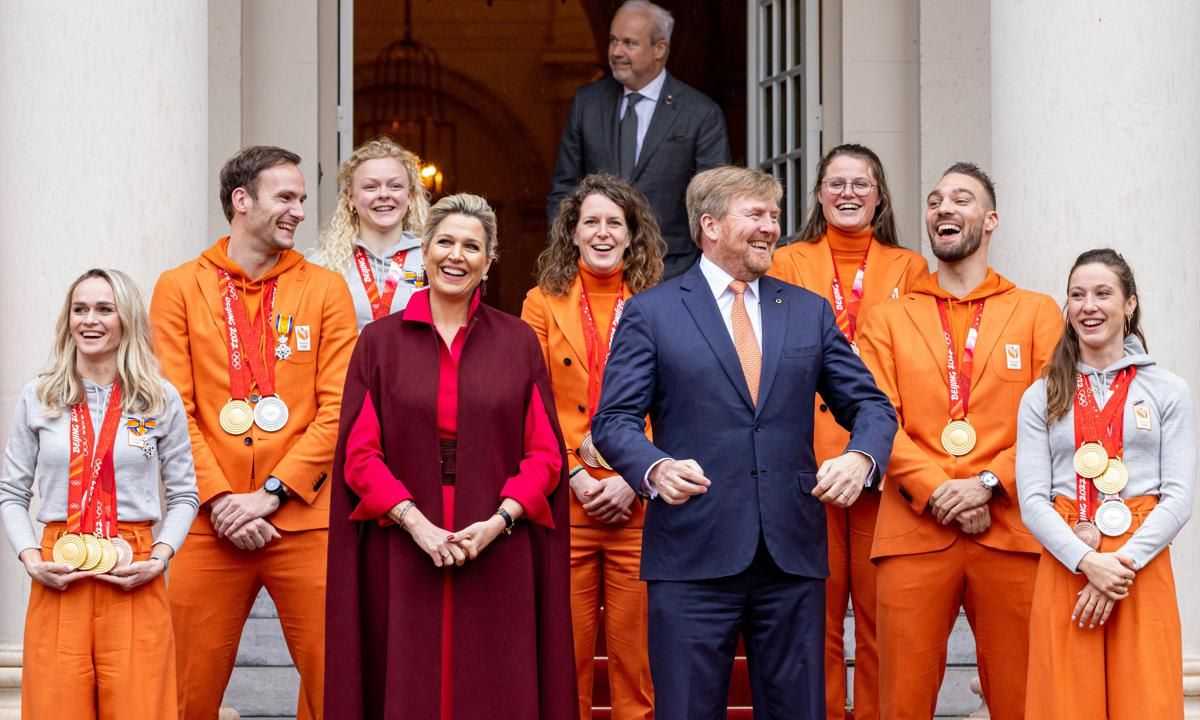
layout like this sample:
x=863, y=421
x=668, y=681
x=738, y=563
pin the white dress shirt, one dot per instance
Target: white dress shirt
x=718, y=282
x=644, y=108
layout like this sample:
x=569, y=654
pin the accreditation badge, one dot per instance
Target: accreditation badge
x=303, y=338
x=1141, y=415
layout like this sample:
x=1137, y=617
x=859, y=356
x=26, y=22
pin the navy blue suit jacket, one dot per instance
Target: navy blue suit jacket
x=673, y=359
x=686, y=136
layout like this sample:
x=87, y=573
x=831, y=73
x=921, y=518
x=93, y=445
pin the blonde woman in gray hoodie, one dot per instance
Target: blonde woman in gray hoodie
x=1106, y=467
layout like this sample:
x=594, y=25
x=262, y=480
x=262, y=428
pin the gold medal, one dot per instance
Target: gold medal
x=124, y=551
x=958, y=437
x=237, y=417
x=1088, y=533
x=1114, y=478
x=108, y=557
x=600, y=459
x=588, y=453
x=1091, y=459
x=92, y=558
x=69, y=550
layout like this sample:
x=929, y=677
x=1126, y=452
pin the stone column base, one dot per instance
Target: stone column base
x=1191, y=686
x=10, y=682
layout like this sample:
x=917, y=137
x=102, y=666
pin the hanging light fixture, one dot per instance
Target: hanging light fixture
x=404, y=99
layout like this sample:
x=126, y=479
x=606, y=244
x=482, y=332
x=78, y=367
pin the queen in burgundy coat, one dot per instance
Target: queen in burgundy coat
x=431, y=612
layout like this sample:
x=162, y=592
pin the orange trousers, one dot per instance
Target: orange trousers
x=1128, y=669
x=918, y=601
x=851, y=578
x=95, y=651
x=606, y=561
x=213, y=586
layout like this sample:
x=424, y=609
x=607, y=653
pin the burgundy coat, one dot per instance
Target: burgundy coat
x=512, y=649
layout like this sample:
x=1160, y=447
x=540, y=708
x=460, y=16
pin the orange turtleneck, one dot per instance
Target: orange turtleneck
x=848, y=249
x=602, y=294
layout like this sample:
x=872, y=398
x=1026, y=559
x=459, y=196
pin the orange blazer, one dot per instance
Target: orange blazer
x=903, y=345
x=891, y=271
x=556, y=321
x=189, y=335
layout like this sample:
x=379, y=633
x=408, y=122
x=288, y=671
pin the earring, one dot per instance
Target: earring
x=483, y=286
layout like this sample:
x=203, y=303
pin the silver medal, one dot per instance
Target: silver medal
x=1113, y=517
x=270, y=414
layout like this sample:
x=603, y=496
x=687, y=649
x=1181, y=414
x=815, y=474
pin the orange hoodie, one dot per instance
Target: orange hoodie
x=903, y=345
x=189, y=332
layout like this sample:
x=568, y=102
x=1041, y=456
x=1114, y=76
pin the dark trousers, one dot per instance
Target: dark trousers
x=694, y=628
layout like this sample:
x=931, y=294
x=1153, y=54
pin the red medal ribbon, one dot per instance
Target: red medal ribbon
x=381, y=305
x=248, y=360
x=93, y=509
x=593, y=341
x=1103, y=426
x=959, y=382
x=846, y=311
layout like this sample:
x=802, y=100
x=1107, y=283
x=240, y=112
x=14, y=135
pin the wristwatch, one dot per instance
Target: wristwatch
x=275, y=486
x=988, y=479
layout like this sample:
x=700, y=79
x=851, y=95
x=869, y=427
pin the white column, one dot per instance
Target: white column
x=104, y=140
x=1094, y=143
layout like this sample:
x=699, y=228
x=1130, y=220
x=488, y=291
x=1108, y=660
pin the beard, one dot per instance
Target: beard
x=969, y=241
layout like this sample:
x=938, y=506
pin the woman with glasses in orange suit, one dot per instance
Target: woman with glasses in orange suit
x=849, y=252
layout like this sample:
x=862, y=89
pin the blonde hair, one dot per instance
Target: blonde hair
x=336, y=244
x=710, y=192
x=142, y=390
x=468, y=205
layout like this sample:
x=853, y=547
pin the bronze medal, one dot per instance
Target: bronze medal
x=236, y=417
x=1087, y=532
x=1113, y=517
x=91, y=546
x=588, y=453
x=108, y=557
x=1114, y=478
x=958, y=437
x=124, y=551
x=1091, y=459
x=69, y=550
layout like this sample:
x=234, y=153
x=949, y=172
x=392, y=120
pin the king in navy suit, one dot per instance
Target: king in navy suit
x=725, y=362
x=671, y=132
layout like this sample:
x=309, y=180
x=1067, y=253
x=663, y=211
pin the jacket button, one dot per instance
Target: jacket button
x=754, y=473
x=567, y=361
x=582, y=408
x=824, y=408
x=758, y=428
x=248, y=440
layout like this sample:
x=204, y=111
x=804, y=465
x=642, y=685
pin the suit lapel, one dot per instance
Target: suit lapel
x=922, y=310
x=702, y=306
x=996, y=313
x=665, y=114
x=879, y=285
x=210, y=287
x=565, y=310
x=288, y=294
x=774, y=313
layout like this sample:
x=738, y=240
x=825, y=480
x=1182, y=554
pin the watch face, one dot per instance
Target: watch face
x=272, y=485
x=989, y=480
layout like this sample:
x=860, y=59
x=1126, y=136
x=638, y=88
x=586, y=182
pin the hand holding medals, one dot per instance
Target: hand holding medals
x=91, y=542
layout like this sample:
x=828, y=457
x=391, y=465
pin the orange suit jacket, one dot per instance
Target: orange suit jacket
x=189, y=334
x=556, y=321
x=891, y=271
x=903, y=345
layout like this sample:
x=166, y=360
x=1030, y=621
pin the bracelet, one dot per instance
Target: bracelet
x=508, y=520
x=166, y=563
x=575, y=471
x=404, y=511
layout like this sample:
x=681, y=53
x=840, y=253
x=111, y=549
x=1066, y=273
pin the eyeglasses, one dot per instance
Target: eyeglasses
x=860, y=186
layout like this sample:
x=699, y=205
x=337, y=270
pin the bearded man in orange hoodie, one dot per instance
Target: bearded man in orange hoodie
x=955, y=355
x=257, y=341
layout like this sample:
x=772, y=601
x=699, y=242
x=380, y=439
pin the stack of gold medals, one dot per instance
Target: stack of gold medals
x=91, y=542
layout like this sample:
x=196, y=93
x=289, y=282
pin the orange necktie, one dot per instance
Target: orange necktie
x=743, y=339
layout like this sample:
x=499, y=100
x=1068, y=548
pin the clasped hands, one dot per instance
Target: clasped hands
x=59, y=576
x=443, y=547
x=965, y=500
x=840, y=480
x=1110, y=576
x=608, y=500
x=240, y=518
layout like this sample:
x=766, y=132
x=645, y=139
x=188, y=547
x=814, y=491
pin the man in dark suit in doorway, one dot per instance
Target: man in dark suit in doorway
x=644, y=126
x=726, y=363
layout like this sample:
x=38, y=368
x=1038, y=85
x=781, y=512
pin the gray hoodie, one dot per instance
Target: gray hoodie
x=1161, y=458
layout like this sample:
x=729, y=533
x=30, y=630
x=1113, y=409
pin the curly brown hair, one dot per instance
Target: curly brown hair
x=558, y=264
